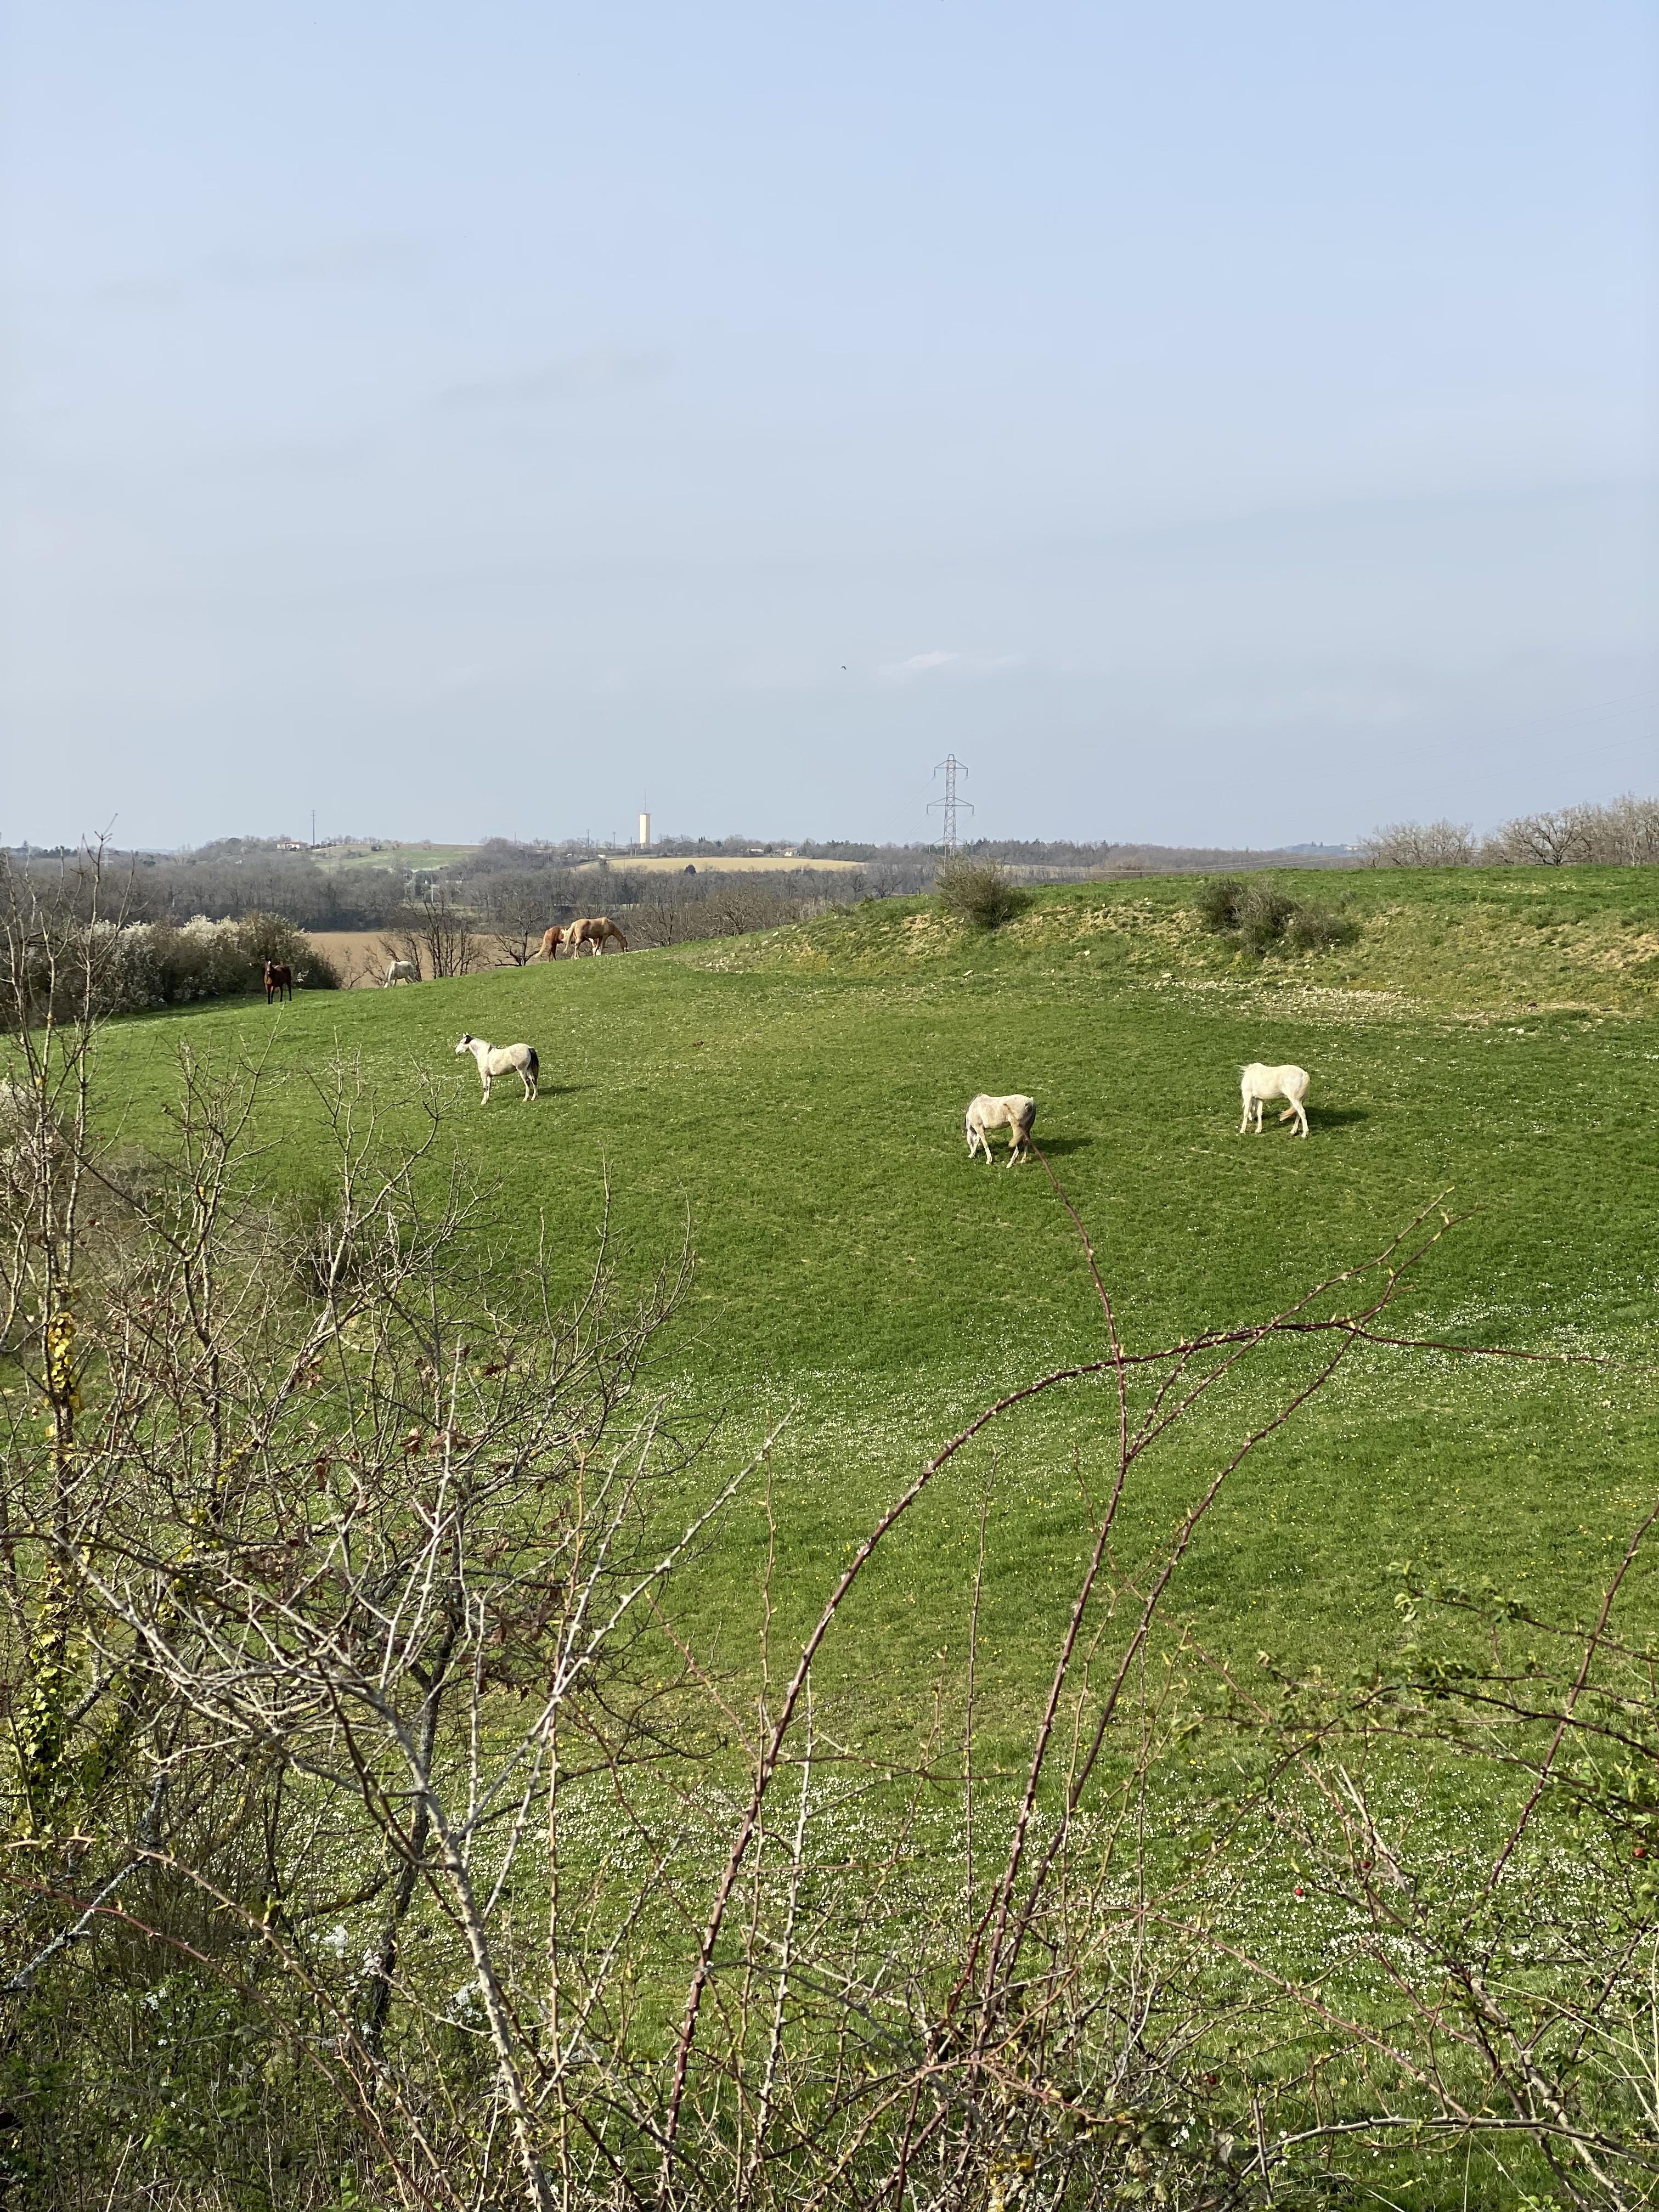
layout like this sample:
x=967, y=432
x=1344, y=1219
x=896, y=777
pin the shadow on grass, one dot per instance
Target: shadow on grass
x=1337, y=1117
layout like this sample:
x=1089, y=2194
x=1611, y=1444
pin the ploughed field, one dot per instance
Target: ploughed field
x=793, y=1105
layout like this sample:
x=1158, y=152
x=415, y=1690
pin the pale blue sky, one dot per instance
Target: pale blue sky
x=1215, y=422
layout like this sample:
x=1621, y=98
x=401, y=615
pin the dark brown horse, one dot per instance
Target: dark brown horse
x=279, y=978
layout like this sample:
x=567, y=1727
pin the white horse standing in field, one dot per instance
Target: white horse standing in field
x=401, y=971
x=1016, y=1113
x=518, y=1060
x=1257, y=1084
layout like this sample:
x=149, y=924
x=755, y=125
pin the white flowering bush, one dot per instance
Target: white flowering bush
x=134, y=967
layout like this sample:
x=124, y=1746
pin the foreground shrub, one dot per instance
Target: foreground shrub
x=1259, y=916
x=1218, y=903
x=1312, y=929
x=978, y=895
x=1263, y=914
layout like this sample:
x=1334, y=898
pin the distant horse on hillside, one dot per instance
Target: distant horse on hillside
x=550, y=943
x=595, y=932
x=279, y=978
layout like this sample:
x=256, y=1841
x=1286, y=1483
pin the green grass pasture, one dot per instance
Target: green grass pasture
x=799, y=1097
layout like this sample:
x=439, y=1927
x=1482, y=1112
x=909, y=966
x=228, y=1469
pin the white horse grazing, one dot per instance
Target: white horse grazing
x=401, y=971
x=518, y=1060
x=1257, y=1084
x=1016, y=1113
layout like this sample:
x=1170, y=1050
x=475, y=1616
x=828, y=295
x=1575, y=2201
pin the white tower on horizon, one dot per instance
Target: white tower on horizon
x=645, y=832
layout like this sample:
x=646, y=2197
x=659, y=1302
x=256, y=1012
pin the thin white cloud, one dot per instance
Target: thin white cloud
x=338, y=262
x=959, y=664
x=572, y=376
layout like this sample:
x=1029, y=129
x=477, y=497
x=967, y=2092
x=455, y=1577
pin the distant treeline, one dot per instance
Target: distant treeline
x=1625, y=834
x=234, y=876
x=514, y=892
x=509, y=888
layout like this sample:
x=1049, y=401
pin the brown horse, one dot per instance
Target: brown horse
x=550, y=943
x=279, y=978
x=595, y=930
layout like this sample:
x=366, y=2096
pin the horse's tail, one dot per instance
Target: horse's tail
x=533, y=1064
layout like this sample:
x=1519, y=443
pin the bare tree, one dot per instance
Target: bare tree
x=1441, y=844
x=1548, y=840
x=222, y=1604
x=1626, y=832
x=439, y=934
x=402, y=941
x=517, y=914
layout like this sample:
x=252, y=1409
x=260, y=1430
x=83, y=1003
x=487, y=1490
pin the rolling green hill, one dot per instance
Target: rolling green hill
x=798, y=1098
x=1270, y=1912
